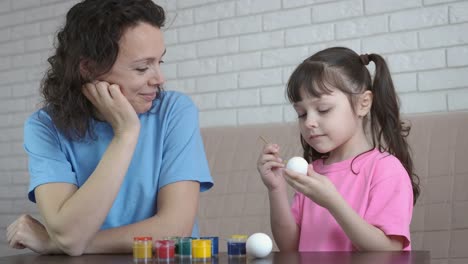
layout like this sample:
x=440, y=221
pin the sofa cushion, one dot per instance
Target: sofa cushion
x=238, y=202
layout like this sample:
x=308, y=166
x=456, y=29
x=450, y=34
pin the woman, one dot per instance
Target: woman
x=111, y=155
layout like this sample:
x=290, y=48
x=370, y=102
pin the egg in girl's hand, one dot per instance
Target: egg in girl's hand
x=259, y=245
x=298, y=164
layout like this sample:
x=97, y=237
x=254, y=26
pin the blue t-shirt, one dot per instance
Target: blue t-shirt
x=169, y=149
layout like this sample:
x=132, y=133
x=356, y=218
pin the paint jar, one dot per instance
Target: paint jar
x=164, y=249
x=142, y=249
x=236, y=246
x=185, y=247
x=201, y=249
x=176, y=241
x=214, y=245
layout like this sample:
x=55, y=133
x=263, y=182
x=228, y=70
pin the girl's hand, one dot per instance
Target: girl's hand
x=113, y=106
x=270, y=167
x=313, y=185
x=27, y=232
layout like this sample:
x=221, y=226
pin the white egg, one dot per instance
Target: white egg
x=259, y=245
x=297, y=164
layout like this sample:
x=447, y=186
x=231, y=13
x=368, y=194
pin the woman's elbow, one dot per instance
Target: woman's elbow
x=74, y=252
x=71, y=247
x=71, y=241
x=69, y=244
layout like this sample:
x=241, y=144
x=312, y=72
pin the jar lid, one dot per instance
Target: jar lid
x=144, y=238
x=239, y=236
x=165, y=243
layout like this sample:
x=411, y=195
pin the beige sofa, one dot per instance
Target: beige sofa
x=238, y=203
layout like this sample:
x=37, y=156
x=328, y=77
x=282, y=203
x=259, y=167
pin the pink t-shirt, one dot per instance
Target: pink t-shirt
x=380, y=192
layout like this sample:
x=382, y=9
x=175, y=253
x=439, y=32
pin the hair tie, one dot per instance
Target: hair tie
x=364, y=58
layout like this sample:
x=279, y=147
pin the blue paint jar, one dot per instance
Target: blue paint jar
x=236, y=246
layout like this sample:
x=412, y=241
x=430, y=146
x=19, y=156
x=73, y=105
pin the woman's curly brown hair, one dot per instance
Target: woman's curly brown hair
x=92, y=32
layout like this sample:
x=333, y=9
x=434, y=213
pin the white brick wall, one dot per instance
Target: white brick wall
x=338, y=10
x=234, y=57
x=240, y=25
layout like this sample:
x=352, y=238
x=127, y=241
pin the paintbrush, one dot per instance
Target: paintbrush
x=266, y=142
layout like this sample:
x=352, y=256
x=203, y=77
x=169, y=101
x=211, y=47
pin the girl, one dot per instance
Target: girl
x=360, y=187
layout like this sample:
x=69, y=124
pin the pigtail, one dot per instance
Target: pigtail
x=345, y=70
x=385, y=120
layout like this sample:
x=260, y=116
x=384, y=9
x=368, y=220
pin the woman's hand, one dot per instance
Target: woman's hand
x=113, y=106
x=27, y=232
x=270, y=167
x=313, y=185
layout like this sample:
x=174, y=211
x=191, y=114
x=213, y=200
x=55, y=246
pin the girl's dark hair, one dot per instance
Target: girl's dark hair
x=346, y=70
x=92, y=32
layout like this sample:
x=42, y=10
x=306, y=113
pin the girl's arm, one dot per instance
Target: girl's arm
x=364, y=236
x=284, y=227
x=389, y=209
x=321, y=190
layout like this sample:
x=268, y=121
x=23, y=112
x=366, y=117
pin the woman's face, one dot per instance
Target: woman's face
x=137, y=68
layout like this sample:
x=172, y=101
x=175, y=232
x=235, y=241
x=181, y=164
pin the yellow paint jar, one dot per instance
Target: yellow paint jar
x=142, y=248
x=201, y=249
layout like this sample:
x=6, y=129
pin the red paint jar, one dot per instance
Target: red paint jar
x=164, y=249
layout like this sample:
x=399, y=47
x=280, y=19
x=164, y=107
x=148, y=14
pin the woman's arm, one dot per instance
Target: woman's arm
x=177, y=209
x=73, y=216
x=174, y=218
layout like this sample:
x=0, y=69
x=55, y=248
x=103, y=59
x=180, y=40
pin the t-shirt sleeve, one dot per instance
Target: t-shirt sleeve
x=391, y=199
x=47, y=162
x=297, y=207
x=183, y=151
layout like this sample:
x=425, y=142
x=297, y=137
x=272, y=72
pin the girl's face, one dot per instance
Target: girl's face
x=328, y=123
x=137, y=68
